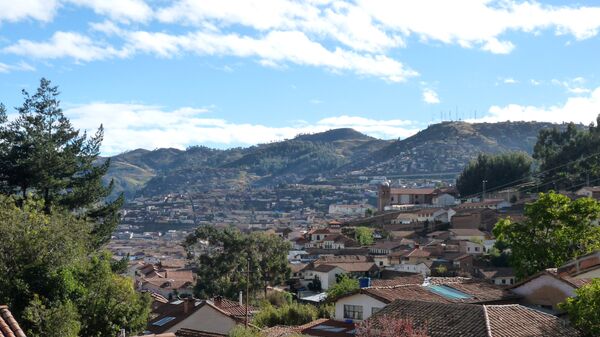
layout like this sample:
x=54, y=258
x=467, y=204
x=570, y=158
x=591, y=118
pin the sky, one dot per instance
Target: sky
x=227, y=73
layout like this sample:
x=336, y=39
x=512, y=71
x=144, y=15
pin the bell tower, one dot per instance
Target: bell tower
x=383, y=196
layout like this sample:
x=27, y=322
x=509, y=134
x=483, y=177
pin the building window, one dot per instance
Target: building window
x=512, y=281
x=476, y=249
x=503, y=281
x=374, y=310
x=353, y=311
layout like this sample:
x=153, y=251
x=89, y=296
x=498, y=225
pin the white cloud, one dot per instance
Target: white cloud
x=481, y=22
x=580, y=109
x=275, y=49
x=535, y=82
x=573, y=86
x=20, y=66
x=509, y=80
x=17, y=10
x=430, y=96
x=120, y=10
x=65, y=44
x=131, y=126
x=495, y=46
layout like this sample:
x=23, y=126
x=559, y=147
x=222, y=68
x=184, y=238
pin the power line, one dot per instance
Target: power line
x=511, y=183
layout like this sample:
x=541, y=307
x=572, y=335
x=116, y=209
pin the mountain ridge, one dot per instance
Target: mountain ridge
x=441, y=147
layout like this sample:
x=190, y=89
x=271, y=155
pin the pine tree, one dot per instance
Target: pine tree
x=43, y=156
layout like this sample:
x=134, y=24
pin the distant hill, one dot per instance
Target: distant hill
x=448, y=146
x=443, y=147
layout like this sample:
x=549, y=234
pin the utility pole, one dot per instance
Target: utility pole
x=247, y=291
x=587, y=179
x=483, y=193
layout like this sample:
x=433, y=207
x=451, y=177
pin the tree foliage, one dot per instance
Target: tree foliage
x=364, y=235
x=568, y=158
x=584, y=309
x=43, y=155
x=53, y=279
x=497, y=170
x=53, y=221
x=556, y=229
x=222, y=271
x=344, y=285
x=289, y=314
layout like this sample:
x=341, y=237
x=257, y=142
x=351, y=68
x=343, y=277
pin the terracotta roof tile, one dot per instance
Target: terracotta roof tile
x=470, y=320
x=8, y=325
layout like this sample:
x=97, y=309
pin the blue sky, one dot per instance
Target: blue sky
x=229, y=73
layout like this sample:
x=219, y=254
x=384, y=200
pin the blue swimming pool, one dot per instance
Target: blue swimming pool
x=448, y=292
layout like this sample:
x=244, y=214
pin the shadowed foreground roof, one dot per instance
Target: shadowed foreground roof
x=470, y=320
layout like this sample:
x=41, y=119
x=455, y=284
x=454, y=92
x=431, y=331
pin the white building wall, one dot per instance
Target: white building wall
x=367, y=303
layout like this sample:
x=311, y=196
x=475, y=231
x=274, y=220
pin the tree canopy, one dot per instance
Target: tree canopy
x=584, y=308
x=556, y=229
x=53, y=222
x=222, y=270
x=53, y=279
x=497, y=170
x=344, y=285
x=42, y=155
x=364, y=235
x=568, y=158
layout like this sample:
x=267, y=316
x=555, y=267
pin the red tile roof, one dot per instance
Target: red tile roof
x=421, y=191
x=469, y=320
x=8, y=325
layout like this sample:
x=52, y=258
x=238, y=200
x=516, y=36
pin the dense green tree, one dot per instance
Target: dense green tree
x=568, y=158
x=222, y=270
x=584, y=309
x=364, y=235
x=289, y=314
x=43, y=155
x=556, y=229
x=498, y=170
x=49, y=270
x=344, y=285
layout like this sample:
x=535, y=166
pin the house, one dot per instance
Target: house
x=443, y=199
x=417, y=255
x=319, y=234
x=468, y=218
x=584, y=267
x=216, y=316
x=470, y=247
x=368, y=301
x=386, y=247
x=460, y=319
x=325, y=273
x=8, y=325
x=322, y=327
x=547, y=289
x=429, y=215
x=498, y=275
x=388, y=196
x=474, y=235
x=354, y=265
x=589, y=191
x=422, y=268
x=166, y=282
x=350, y=210
x=494, y=204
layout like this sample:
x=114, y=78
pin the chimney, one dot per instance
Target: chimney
x=241, y=299
x=186, y=304
x=218, y=301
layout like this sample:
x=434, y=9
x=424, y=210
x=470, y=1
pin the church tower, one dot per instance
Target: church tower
x=383, y=196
